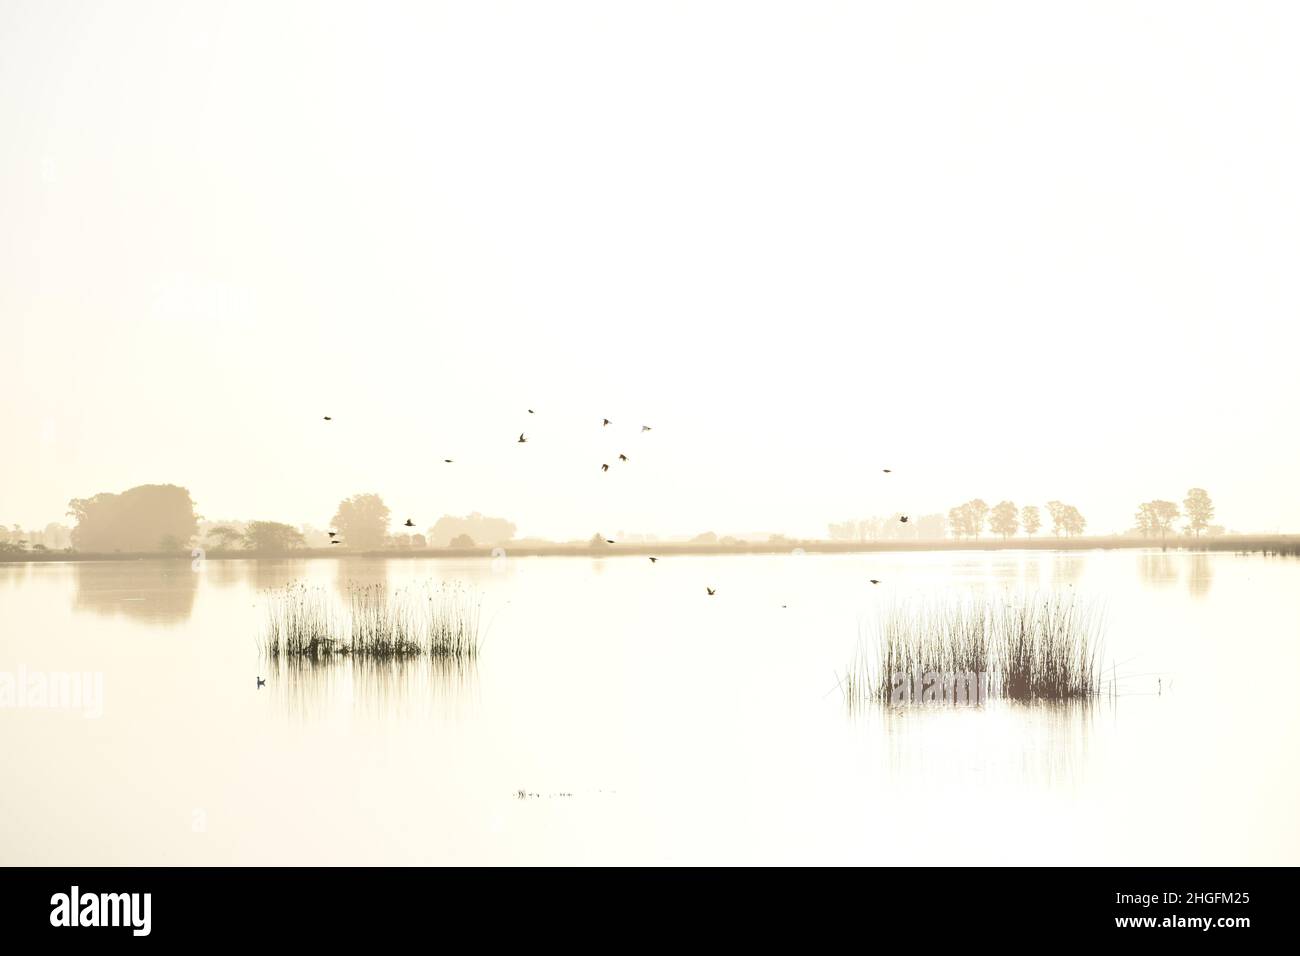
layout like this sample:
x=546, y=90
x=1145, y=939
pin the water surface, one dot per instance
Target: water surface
x=646, y=722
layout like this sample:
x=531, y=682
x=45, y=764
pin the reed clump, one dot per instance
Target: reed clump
x=308, y=624
x=1038, y=649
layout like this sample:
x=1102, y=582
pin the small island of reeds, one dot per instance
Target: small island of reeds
x=978, y=648
x=310, y=625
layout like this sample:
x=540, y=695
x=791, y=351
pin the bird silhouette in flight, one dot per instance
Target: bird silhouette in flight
x=609, y=540
x=446, y=461
x=522, y=439
x=261, y=682
x=605, y=422
x=903, y=518
x=874, y=581
x=886, y=470
x=653, y=559
x=622, y=457
x=409, y=523
x=328, y=419
x=711, y=591
x=531, y=412
x=334, y=534
x=645, y=428
x=336, y=542
x=604, y=467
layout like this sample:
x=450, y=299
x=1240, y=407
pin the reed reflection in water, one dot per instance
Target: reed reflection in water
x=396, y=688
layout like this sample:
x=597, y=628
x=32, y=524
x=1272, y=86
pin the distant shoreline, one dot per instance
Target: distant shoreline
x=1286, y=544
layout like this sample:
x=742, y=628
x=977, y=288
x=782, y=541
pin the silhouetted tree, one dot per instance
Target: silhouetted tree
x=362, y=522
x=1155, y=518
x=1074, y=521
x=144, y=518
x=461, y=541
x=1199, y=510
x=1056, y=510
x=1004, y=519
x=226, y=537
x=1066, y=519
x=1030, y=519
x=959, y=521
x=968, y=520
x=272, y=536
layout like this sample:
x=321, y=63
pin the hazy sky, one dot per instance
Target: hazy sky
x=1010, y=250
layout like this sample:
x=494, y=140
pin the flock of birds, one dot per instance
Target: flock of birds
x=604, y=423
x=523, y=440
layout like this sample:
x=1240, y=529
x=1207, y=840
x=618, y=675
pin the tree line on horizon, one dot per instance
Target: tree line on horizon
x=1005, y=519
x=53, y=537
x=1155, y=519
x=163, y=518
x=362, y=523
x=150, y=518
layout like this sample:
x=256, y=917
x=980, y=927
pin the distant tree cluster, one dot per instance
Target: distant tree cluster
x=1006, y=519
x=480, y=529
x=272, y=536
x=966, y=521
x=929, y=527
x=53, y=537
x=144, y=518
x=1156, y=518
x=162, y=518
x=1066, y=520
x=222, y=536
x=362, y=522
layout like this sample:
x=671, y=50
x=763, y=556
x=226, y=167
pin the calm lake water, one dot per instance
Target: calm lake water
x=647, y=722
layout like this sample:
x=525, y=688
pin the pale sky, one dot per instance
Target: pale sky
x=1010, y=250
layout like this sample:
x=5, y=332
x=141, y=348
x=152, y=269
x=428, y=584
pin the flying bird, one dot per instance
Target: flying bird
x=886, y=470
x=261, y=682
x=334, y=534
x=903, y=518
x=531, y=412
x=653, y=559
x=409, y=523
x=604, y=467
x=522, y=439
x=609, y=540
x=336, y=542
x=711, y=591
x=874, y=581
x=622, y=457
x=645, y=428
x=605, y=422
x=446, y=461
x=328, y=419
